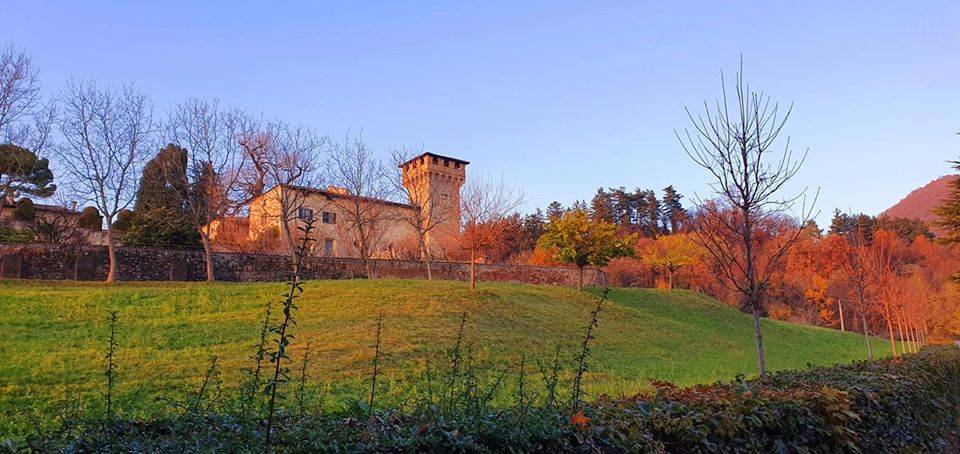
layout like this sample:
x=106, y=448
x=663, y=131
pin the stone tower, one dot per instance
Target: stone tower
x=434, y=182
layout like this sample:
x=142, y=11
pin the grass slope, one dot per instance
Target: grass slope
x=52, y=337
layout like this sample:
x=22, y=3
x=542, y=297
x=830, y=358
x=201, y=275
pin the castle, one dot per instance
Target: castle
x=432, y=184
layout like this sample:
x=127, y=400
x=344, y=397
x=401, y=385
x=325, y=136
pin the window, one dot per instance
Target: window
x=305, y=213
x=456, y=165
x=329, y=218
x=328, y=247
x=435, y=160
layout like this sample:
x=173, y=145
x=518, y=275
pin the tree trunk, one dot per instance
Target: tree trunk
x=669, y=279
x=473, y=266
x=893, y=341
x=207, y=254
x=840, y=310
x=111, y=255
x=903, y=345
x=761, y=357
x=426, y=257
x=866, y=335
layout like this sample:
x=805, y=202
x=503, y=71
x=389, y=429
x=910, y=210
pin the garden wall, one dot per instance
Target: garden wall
x=86, y=263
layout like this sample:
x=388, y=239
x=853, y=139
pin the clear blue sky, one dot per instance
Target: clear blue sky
x=560, y=97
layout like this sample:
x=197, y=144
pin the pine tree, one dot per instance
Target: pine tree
x=554, y=211
x=949, y=211
x=652, y=214
x=532, y=227
x=674, y=215
x=623, y=213
x=601, y=207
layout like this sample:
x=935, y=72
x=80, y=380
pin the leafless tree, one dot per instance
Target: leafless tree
x=213, y=138
x=107, y=136
x=354, y=168
x=25, y=120
x=281, y=160
x=736, y=141
x=428, y=209
x=60, y=224
x=484, y=205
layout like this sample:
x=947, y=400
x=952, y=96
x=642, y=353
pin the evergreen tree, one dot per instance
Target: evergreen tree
x=652, y=214
x=23, y=173
x=554, y=211
x=532, y=227
x=949, y=211
x=601, y=207
x=623, y=213
x=160, y=214
x=674, y=215
x=579, y=205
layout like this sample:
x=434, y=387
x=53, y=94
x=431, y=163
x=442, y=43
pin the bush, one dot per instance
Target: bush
x=90, y=219
x=25, y=211
x=892, y=405
x=10, y=235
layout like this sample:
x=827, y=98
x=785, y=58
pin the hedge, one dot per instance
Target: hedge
x=910, y=404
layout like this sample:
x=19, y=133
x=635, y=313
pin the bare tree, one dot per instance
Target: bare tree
x=737, y=143
x=107, y=136
x=428, y=208
x=213, y=138
x=59, y=224
x=484, y=205
x=281, y=161
x=25, y=120
x=354, y=168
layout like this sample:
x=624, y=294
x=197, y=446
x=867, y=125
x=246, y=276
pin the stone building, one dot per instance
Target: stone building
x=432, y=198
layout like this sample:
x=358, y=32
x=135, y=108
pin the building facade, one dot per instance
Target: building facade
x=431, y=203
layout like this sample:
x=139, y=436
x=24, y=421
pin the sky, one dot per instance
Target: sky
x=558, y=97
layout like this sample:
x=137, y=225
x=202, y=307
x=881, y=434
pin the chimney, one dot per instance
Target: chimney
x=337, y=190
x=73, y=206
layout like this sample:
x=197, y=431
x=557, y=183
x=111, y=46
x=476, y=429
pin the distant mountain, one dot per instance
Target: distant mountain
x=919, y=204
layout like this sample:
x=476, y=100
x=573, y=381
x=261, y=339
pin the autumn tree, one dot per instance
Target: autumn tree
x=484, y=204
x=578, y=240
x=736, y=141
x=208, y=178
x=671, y=253
x=884, y=258
x=107, y=136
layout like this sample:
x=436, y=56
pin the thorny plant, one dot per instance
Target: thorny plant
x=585, y=353
x=376, y=364
x=302, y=387
x=111, y=370
x=282, y=331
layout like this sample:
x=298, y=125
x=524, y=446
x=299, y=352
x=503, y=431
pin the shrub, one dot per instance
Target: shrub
x=25, y=211
x=892, y=405
x=90, y=219
x=11, y=235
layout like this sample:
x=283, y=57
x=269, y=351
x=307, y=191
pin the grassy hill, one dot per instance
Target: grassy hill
x=53, y=337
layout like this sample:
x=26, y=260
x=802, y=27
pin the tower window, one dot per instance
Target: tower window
x=456, y=165
x=329, y=218
x=435, y=160
x=305, y=213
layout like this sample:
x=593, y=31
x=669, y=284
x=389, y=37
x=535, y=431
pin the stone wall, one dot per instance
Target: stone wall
x=62, y=262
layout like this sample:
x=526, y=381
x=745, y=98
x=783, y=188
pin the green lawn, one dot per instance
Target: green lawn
x=53, y=337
